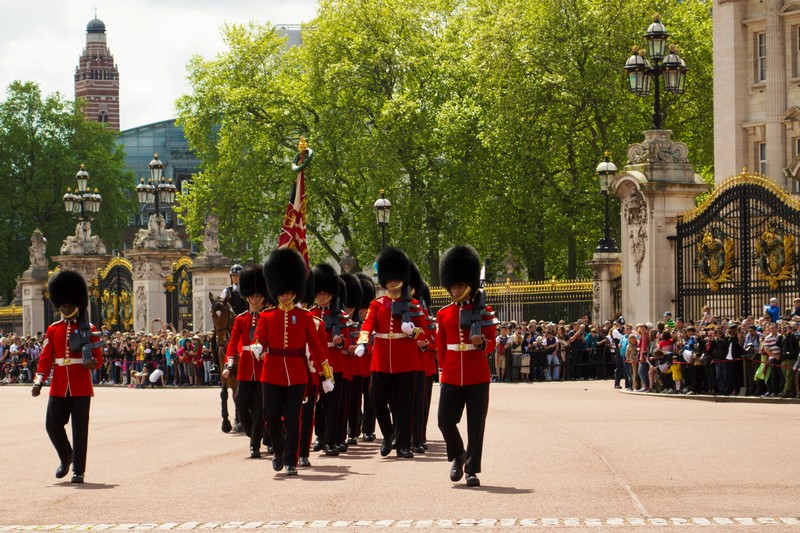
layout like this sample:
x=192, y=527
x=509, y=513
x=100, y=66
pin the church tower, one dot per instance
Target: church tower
x=97, y=77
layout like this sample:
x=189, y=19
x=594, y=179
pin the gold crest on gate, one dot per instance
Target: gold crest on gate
x=775, y=255
x=714, y=259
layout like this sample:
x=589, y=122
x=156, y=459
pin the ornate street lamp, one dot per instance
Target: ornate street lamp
x=83, y=201
x=605, y=174
x=641, y=72
x=157, y=190
x=383, y=209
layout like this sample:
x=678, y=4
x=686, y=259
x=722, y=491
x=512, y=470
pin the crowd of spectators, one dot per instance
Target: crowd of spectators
x=163, y=357
x=751, y=356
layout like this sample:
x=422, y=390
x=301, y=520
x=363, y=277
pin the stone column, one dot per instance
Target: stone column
x=32, y=285
x=656, y=186
x=210, y=274
x=150, y=270
x=776, y=95
x=605, y=269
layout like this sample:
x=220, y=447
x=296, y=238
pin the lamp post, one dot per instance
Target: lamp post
x=82, y=203
x=382, y=208
x=605, y=173
x=157, y=190
x=640, y=71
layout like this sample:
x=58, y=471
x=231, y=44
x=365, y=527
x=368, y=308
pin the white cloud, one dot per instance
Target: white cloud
x=41, y=40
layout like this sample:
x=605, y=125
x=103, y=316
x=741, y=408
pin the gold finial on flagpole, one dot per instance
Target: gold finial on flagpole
x=302, y=145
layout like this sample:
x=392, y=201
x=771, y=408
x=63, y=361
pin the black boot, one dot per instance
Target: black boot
x=457, y=469
x=63, y=468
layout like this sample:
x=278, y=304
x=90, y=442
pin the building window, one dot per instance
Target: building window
x=761, y=57
x=762, y=158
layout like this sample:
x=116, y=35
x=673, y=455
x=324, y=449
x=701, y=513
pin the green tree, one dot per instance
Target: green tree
x=43, y=141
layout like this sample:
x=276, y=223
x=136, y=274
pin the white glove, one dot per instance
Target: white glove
x=360, y=349
x=256, y=350
x=327, y=386
x=311, y=366
x=229, y=365
x=408, y=328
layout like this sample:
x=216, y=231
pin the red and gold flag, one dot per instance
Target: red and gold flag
x=293, y=230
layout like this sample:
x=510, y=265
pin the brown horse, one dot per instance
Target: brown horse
x=222, y=316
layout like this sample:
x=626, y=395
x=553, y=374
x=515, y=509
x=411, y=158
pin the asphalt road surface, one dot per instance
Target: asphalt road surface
x=575, y=455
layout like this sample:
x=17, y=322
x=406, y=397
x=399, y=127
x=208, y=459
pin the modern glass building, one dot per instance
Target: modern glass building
x=167, y=140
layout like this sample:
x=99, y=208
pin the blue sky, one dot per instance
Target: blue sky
x=151, y=40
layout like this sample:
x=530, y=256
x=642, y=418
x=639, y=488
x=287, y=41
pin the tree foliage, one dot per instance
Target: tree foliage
x=43, y=141
x=483, y=121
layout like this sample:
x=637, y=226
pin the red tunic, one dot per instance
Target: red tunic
x=392, y=351
x=284, y=336
x=429, y=354
x=336, y=356
x=239, y=343
x=461, y=363
x=69, y=376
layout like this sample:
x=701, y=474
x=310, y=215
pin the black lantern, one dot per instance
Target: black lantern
x=605, y=175
x=157, y=190
x=83, y=201
x=383, y=209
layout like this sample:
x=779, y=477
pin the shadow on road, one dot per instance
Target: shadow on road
x=86, y=486
x=495, y=490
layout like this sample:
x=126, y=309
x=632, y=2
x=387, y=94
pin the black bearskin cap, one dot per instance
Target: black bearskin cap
x=367, y=289
x=285, y=270
x=326, y=279
x=354, y=293
x=68, y=287
x=460, y=264
x=251, y=282
x=415, y=280
x=393, y=264
x=424, y=295
x=342, y=292
x=308, y=299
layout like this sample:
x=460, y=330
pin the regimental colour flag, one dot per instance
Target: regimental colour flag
x=293, y=230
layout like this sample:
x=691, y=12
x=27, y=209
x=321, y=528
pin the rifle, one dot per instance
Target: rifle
x=400, y=307
x=333, y=321
x=474, y=319
x=81, y=339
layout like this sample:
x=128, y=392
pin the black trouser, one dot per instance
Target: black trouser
x=286, y=402
x=331, y=401
x=452, y=401
x=354, y=410
x=249, y=407
x=307, y=421
x=59, y=412
x=391, y=396
x=346, y=386
x=418, y=409
x=368, y=423
x=319, y=419
x=427, y=407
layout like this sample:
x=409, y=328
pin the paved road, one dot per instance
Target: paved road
x=558, y=455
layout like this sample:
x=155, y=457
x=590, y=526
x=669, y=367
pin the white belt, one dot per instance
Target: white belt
x=391, y=335
x=69, y=361
x=461, y=347
x=246, y=348
x=331, y=345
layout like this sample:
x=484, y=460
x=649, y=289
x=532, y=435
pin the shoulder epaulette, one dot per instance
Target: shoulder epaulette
x=243, y=313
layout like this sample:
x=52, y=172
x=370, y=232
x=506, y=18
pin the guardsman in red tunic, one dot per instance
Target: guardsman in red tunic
x=368, y=420
x=418, y=401
x=309, y=404
x=244, y=342
x=328, y=307
x=287, y=333
x=73, y=349
x=352, y=418
x=394, y=352
x=465, y=337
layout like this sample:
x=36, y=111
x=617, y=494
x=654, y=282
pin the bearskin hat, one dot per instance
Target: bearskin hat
x=424, y=295
x=326, y=279
x=393, y=264
x=460, y=264
x=251, y=282
x=367, y=289
x=342, y=292
x=308, y=299
x=68, y=287
x=285, y=270
x=354, y=291
x=415, y=280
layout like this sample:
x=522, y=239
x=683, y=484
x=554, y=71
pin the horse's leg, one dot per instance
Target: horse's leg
x=223, y=396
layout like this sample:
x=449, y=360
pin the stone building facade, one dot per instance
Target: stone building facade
x=757, y=89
